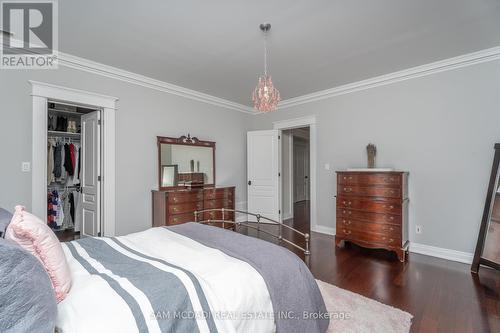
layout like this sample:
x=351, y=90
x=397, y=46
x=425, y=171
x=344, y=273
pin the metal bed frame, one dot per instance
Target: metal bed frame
x=250, y=224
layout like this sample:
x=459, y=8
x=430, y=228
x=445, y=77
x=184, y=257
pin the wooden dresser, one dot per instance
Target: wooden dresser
x=177, y=206
x=372, y=210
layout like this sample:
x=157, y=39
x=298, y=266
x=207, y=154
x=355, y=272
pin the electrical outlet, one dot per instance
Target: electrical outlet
x=418, y=229
x=26, y=167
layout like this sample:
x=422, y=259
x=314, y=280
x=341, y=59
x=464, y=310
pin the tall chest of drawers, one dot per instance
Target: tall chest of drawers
x=178, y=206
x=372, y=210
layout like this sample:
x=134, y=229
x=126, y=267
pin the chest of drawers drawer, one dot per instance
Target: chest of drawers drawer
x=369, y=216
x=369, y=227
x=373, y=238
x=212, y=194
x=370, y=205
x=370, y=191
x=393, y=180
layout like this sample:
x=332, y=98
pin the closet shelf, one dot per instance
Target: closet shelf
x=63, y=134
x=76, y=114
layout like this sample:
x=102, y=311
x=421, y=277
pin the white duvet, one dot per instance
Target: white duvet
x=233, y=288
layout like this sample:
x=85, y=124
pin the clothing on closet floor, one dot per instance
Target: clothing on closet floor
x=55, y=214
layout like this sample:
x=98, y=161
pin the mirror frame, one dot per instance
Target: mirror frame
x=185, y=141
x=488, y=207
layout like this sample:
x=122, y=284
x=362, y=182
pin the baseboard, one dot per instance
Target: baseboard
x=439, y=252
x=323, y=229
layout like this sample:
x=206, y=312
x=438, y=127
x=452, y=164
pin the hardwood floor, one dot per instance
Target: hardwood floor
x=443, y=296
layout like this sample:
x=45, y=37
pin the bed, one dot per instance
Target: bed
x=188, y=278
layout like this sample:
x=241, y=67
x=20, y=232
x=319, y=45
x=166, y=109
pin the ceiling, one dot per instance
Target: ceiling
x=216, y=47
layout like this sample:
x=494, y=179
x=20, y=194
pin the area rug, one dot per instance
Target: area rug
x=351, y=312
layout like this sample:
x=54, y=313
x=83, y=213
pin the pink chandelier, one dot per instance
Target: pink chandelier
x=265, y=96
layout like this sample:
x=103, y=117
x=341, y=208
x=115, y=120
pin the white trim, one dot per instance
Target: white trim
x=303, y=122
x=407, y=74
x=465, y=60
x=42, y=92
x=324, y=230
x=82, y=64
x=439, y=252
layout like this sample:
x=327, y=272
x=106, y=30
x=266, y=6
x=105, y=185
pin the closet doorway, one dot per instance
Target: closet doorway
x=73, y=166
x=73, y=170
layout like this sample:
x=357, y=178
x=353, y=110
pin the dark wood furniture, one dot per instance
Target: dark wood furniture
x=372, y=210
x=488, y=242
x=178, y=206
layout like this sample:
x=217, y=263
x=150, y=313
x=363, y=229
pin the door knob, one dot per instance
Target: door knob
x=249, y=182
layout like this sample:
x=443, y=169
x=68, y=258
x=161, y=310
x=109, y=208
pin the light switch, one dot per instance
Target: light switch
x=26, y=167
x=327, y=166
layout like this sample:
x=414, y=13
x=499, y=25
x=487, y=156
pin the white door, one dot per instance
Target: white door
x=301, y=170
x=91, y=189
x=262, y=170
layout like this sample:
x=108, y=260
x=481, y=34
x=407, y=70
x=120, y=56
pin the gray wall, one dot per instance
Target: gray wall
x=142, y=115
x=441, y=128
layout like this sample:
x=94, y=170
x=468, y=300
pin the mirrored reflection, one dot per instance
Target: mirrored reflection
x=185, y=165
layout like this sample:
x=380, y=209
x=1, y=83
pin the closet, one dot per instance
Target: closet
x=73, y=170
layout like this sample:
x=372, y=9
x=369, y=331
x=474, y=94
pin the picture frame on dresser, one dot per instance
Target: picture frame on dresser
x=372, y=210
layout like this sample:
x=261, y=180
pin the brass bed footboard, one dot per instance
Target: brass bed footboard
x=251, y=225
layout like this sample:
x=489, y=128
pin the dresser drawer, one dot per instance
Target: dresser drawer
x=219, y=203
x=217, y=215
x=188, y=196
x=370, y=205
x=387, y=179
x=187, y=207
x=366, y=237
x=369, y=217
x=373, y=191
x=180, y=218
x=219, y=193
x=368, y=227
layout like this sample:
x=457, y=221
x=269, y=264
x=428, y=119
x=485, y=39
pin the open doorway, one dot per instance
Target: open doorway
x=295, y=180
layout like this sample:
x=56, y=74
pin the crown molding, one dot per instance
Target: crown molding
x=86, y=65
x=407, y=74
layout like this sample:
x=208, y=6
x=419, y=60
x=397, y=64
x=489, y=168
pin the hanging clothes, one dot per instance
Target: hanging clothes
x=77, y=197
x=51, y=144
x=58, y=160
x=68, y=164
x=66, y=207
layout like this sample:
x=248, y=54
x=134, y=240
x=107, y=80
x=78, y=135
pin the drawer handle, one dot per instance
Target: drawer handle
x=390, y=239
x=175, y=220
x=175, y=199
x=390, y=207
x=175, y=209
x=391, y=228
x=347, y=189
x=346, y=222
x=347, y=232
x=391, y=218
x=350, y=178
x=347, y=203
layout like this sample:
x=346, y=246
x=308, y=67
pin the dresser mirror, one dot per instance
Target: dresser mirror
x=488, y=244
x=185, y=162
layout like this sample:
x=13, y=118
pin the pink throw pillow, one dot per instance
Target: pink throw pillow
x=36, y=237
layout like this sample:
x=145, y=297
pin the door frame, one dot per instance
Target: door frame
x=41, y=93
x=311, y=123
